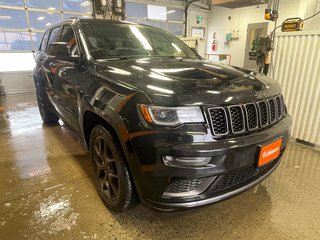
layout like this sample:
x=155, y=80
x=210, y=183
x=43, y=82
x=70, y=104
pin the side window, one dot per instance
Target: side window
x=54, y=35
x=44, y=42
x=69, y=37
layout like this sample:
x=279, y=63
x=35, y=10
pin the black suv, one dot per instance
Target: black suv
x=160, y=122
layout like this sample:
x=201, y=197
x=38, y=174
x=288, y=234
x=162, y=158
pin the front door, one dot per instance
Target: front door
x=65, y=80
x=254, y=30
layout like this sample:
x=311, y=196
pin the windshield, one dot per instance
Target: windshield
x=115, y=40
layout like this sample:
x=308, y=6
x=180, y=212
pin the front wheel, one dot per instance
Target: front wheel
x=111, y=174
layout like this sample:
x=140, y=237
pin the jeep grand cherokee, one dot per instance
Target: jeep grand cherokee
x=161, y=123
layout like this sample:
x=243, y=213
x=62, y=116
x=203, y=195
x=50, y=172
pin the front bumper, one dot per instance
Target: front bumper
x=233, y=166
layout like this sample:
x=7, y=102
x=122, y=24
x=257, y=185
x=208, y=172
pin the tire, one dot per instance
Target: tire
x=110, y=171
x=47, y=116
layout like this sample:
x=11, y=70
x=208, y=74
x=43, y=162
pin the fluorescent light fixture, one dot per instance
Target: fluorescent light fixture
x=136, y=32
x=176, y=47
x=85, y=4
x=159, y=89
x=171, y=70
x=138, y=68
x=171, y=11
x=119, y=71
x=41, y=18
x=5, y=17
x=48, y=24
x=228, y=99
x=213, y=92
x=160, y=77
x=51, y=8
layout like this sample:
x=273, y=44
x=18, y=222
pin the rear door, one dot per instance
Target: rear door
x=49, y=69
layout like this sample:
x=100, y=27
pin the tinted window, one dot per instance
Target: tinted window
x=44, y=42
x=107, y=40
x=68, y=36
x=54, y=35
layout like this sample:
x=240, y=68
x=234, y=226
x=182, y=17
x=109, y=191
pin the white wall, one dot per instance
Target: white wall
x=240, y=18
x=17, y=82
x=192, y=22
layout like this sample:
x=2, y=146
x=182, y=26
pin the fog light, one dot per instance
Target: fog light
x=188, y=187
x=187, y=161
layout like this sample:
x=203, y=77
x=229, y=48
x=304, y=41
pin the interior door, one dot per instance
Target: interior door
x=254, y=30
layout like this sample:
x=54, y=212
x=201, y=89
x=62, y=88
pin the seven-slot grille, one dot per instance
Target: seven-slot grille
x=240, y=118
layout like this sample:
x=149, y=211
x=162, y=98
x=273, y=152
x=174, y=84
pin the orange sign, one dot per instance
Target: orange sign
x=269, y=152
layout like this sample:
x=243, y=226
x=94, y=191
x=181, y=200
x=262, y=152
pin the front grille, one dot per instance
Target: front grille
x=251, y=116
x=245, y=117
x=237, y=119
x=263, y=112
x=272, y=110
x=279, y=104
x=184, y=185
x=231, y=180
x=219, y=121
x=235, y=179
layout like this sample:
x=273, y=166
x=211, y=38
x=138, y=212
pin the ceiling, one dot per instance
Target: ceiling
x=237, y=3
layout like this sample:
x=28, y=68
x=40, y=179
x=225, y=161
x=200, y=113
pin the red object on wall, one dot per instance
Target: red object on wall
x=214, y=42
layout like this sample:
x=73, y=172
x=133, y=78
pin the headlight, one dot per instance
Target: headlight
x=171, y=116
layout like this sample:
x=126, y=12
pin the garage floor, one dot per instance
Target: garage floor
x=47, y=192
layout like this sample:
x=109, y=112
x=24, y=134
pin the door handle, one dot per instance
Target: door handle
x=52, y=65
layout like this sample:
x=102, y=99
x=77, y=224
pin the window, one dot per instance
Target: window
x=157, y=12
x=47, y=4
x=107, y=41
x=18, y=3
x=54, y=35
x=68, y=36
x=76, y=5
x=14, y=41
x=42, y=20
x=166, y=18
x=23, y=23
x=12, y=18
x=43, y=47
x=136, y=10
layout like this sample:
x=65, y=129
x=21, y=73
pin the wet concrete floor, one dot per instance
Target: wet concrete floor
x=47, y=192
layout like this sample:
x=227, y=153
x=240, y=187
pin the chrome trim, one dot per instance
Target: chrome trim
x=275, y=110
x=259, y=111
x=231, y=122
x=200, y=189
x=247, y=116
x=227, y=121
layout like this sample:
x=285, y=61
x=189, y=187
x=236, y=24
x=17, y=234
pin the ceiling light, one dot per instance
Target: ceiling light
x=160, y=89
x=171, y=11
x=51, y=8
x=40, y=18
x=85, y=4
x=48, y=24
x=5, y=17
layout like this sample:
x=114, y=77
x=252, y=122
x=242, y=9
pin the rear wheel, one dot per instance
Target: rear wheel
x=111, y=174
x=47, y=116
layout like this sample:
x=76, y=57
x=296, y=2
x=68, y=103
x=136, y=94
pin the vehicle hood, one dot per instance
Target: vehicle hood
x=174, y=82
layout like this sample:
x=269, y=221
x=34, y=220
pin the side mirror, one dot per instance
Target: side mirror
x=60, y=51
